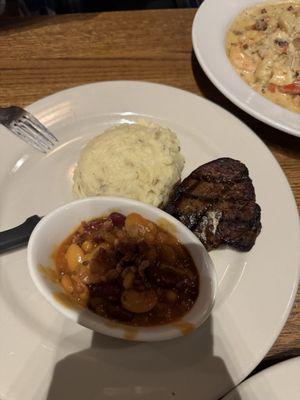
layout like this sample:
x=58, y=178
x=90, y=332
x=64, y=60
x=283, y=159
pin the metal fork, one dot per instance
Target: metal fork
x=28, y=128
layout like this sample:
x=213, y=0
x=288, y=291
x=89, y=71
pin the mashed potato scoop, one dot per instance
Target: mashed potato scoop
x=139, y=161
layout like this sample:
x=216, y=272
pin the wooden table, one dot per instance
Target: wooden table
x=42, y=55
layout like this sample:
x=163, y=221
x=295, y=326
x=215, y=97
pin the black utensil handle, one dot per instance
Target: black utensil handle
x=18, y=236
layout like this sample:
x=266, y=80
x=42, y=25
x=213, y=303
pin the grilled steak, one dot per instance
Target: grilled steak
x=217, y=203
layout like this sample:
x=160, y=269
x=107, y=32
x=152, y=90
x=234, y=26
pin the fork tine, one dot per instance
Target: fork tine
x=28, y=124
x=35, y=136
x=27, y=138
x=25, y=133
x=27, y=127
x=40, y=127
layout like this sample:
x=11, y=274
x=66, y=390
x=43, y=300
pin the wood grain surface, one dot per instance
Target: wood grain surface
x=41, y=55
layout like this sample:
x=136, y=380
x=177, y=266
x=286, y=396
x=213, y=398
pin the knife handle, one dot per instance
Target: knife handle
x=18, y=236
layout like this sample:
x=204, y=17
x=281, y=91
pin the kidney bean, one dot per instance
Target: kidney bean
x=117, y=219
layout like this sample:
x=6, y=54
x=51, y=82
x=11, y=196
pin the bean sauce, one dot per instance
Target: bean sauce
x=128, y=269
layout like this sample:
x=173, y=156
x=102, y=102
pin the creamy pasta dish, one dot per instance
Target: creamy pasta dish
x=263, y=45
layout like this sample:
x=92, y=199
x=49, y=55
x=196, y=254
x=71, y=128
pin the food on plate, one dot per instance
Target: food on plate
x=217, y=202
x=128, y=269
x=138, y=161
x=263, y=45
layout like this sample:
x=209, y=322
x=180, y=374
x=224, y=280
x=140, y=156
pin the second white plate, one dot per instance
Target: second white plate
x=210, y=26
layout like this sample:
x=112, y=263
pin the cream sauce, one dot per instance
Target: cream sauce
x=263, y=45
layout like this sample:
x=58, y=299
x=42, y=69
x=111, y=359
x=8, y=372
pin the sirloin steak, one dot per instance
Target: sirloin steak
x=217, y=203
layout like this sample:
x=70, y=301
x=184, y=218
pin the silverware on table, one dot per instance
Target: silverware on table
x=28, y=128
x=19, y=235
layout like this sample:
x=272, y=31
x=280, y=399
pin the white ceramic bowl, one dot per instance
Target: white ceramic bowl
x=210, y=25
x=57, y=225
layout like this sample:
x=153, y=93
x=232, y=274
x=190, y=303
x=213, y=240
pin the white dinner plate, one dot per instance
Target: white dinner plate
x=210, y=26
x=280, y=382
x=45, y=356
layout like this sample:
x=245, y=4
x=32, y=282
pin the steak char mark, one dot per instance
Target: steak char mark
x=217, y=203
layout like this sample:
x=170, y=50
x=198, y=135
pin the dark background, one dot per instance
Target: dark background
x=14, y=7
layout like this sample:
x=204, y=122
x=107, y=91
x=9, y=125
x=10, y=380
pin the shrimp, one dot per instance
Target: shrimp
x=241, y=60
